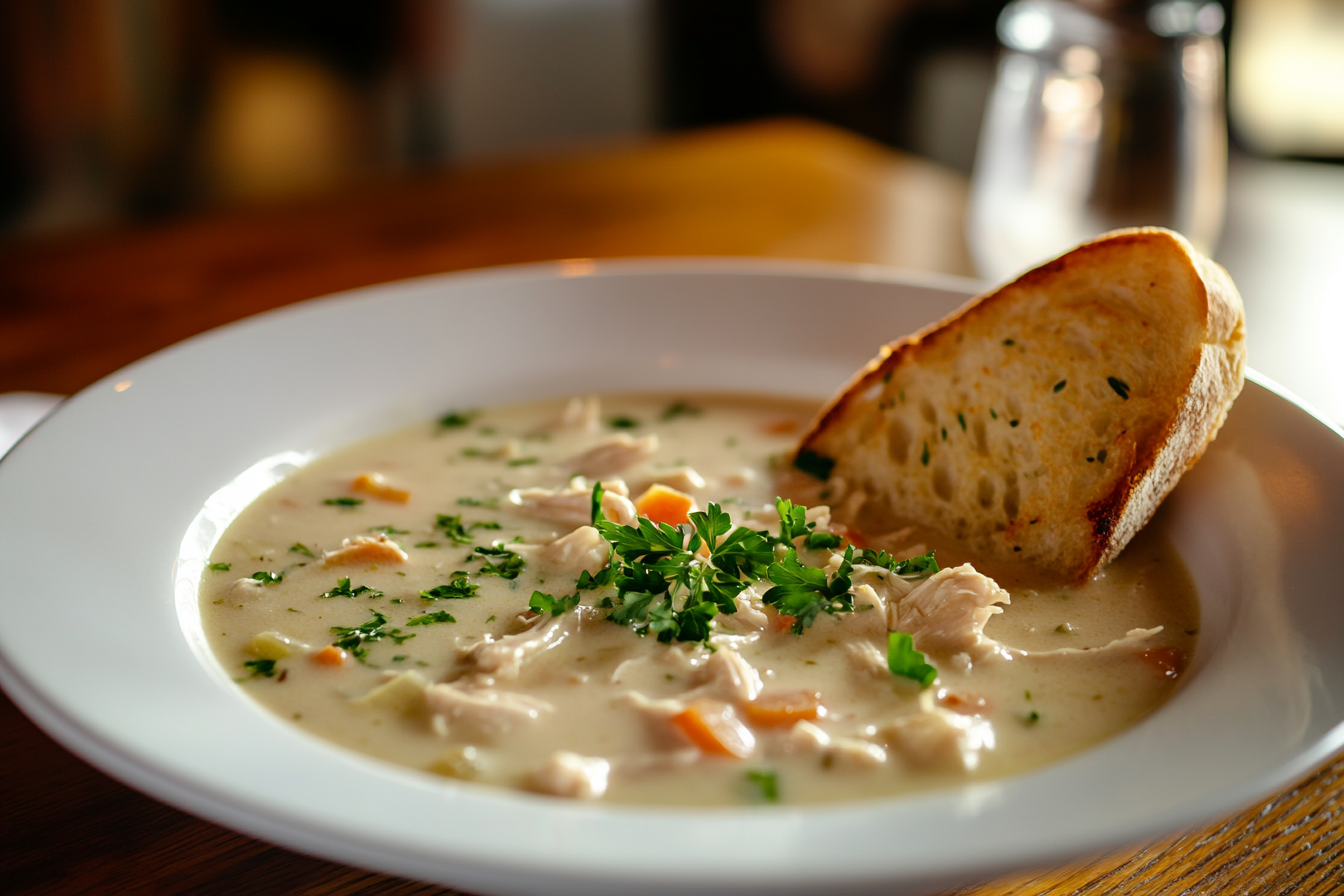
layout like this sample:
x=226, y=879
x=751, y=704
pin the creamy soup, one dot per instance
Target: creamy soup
x=439, y=598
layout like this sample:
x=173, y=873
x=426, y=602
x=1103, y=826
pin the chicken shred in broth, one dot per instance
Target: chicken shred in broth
x=439, y=598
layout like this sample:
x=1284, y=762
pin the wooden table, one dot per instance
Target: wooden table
x=76, y=308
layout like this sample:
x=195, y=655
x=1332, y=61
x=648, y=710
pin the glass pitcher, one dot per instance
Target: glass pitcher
x=1103, y=115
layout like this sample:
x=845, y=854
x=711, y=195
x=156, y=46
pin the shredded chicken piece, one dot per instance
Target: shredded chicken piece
x=571, y=775
x=364, y=549
x=582, y=549
x=486, y=709
x=677, y=659
x=868, y=658
x=573, y=505
x=246, y=589
x=683, y=479
x=750, y=615
x=726, y=676
x=946, y=614
x=805, y=737
x=938, y=739
x=582, y=414
x=614, y=454
x=501, y=659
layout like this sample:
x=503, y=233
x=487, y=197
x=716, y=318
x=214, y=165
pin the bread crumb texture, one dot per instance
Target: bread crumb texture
x=1046, y=421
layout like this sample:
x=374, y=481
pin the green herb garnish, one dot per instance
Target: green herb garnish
x=907, y=662
x=454, y=530
x=1120, y=386
x=543, y=603
x=265, y=668
x=343, y=589
x=220, y=567
x=458, y=589
x=766, y=782
x=355, y=638
x=343, y=502
x=431, y=618
x=457, y=419
x=268, y=578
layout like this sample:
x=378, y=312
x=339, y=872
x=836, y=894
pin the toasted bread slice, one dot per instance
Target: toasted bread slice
x=1045, y=421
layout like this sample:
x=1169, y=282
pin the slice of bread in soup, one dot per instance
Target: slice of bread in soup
x=1045, y=421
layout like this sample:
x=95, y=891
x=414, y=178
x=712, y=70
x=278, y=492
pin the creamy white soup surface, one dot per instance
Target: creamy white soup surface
x=439, y=598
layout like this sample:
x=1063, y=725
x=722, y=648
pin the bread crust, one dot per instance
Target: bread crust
x=1199, y=368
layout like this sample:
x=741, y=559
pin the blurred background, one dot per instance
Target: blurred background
x=134, y=110
x=1026, y=126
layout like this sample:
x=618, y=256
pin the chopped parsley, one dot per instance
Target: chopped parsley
x=1059, y=386
x=1120, y=386
x=478, y=502
x=454, y=530
x=264, y=668
x=679, y=409
x=623, y=423
x=907, y=662
x=457, y=419
x=299, y=547
x=523, y=461
x=961, y=418
x=355, y=638
x=388, y=530
x=220, y=567
x=458, y=589
x=268, y=578
x=815, y=465
x=508, y=567
x=766, y=784
x=911, y=569
x=343, y=502
x=1031, y=718
x=430, y=619
x=924, y=457
x=543, y=603
x=343, y=589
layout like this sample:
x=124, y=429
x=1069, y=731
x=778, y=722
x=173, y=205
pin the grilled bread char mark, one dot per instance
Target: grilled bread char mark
x=1045, y=421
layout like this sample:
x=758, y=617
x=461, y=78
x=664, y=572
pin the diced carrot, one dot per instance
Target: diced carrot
x=714, y=727
x=780, y=622
x=781, y=427
x=784, y=709
x=1169, y=662
x=665, y=505
x=365, y=549
x=375, y=486
x=331, y=655
x=852, y=536
x=965, y=704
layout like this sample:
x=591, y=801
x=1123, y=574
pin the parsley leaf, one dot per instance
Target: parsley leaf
x=508, y=568
x=456, y=532
x=804, y=592
x=354, y=638
x=595, y=506
x=343, y=589
x=478, y=502
x=912, y=568
x=343, y=502
x=268, y=578
x=679, y=409
x=766, y=782
x=389, y=530
x=457, y=419
x=220, y=567
x=431, y=618
x=904, y=660
x=458, y=589
x=299, y=547
x=543, y=603
x=264, y=668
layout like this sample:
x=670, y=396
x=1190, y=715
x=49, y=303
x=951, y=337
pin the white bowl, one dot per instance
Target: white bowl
x=100, y=639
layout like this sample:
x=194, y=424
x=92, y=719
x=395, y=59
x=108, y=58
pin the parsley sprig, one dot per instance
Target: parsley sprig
x=458, y=533
x=343, y=589
x=663, y=583
x=355, y=638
